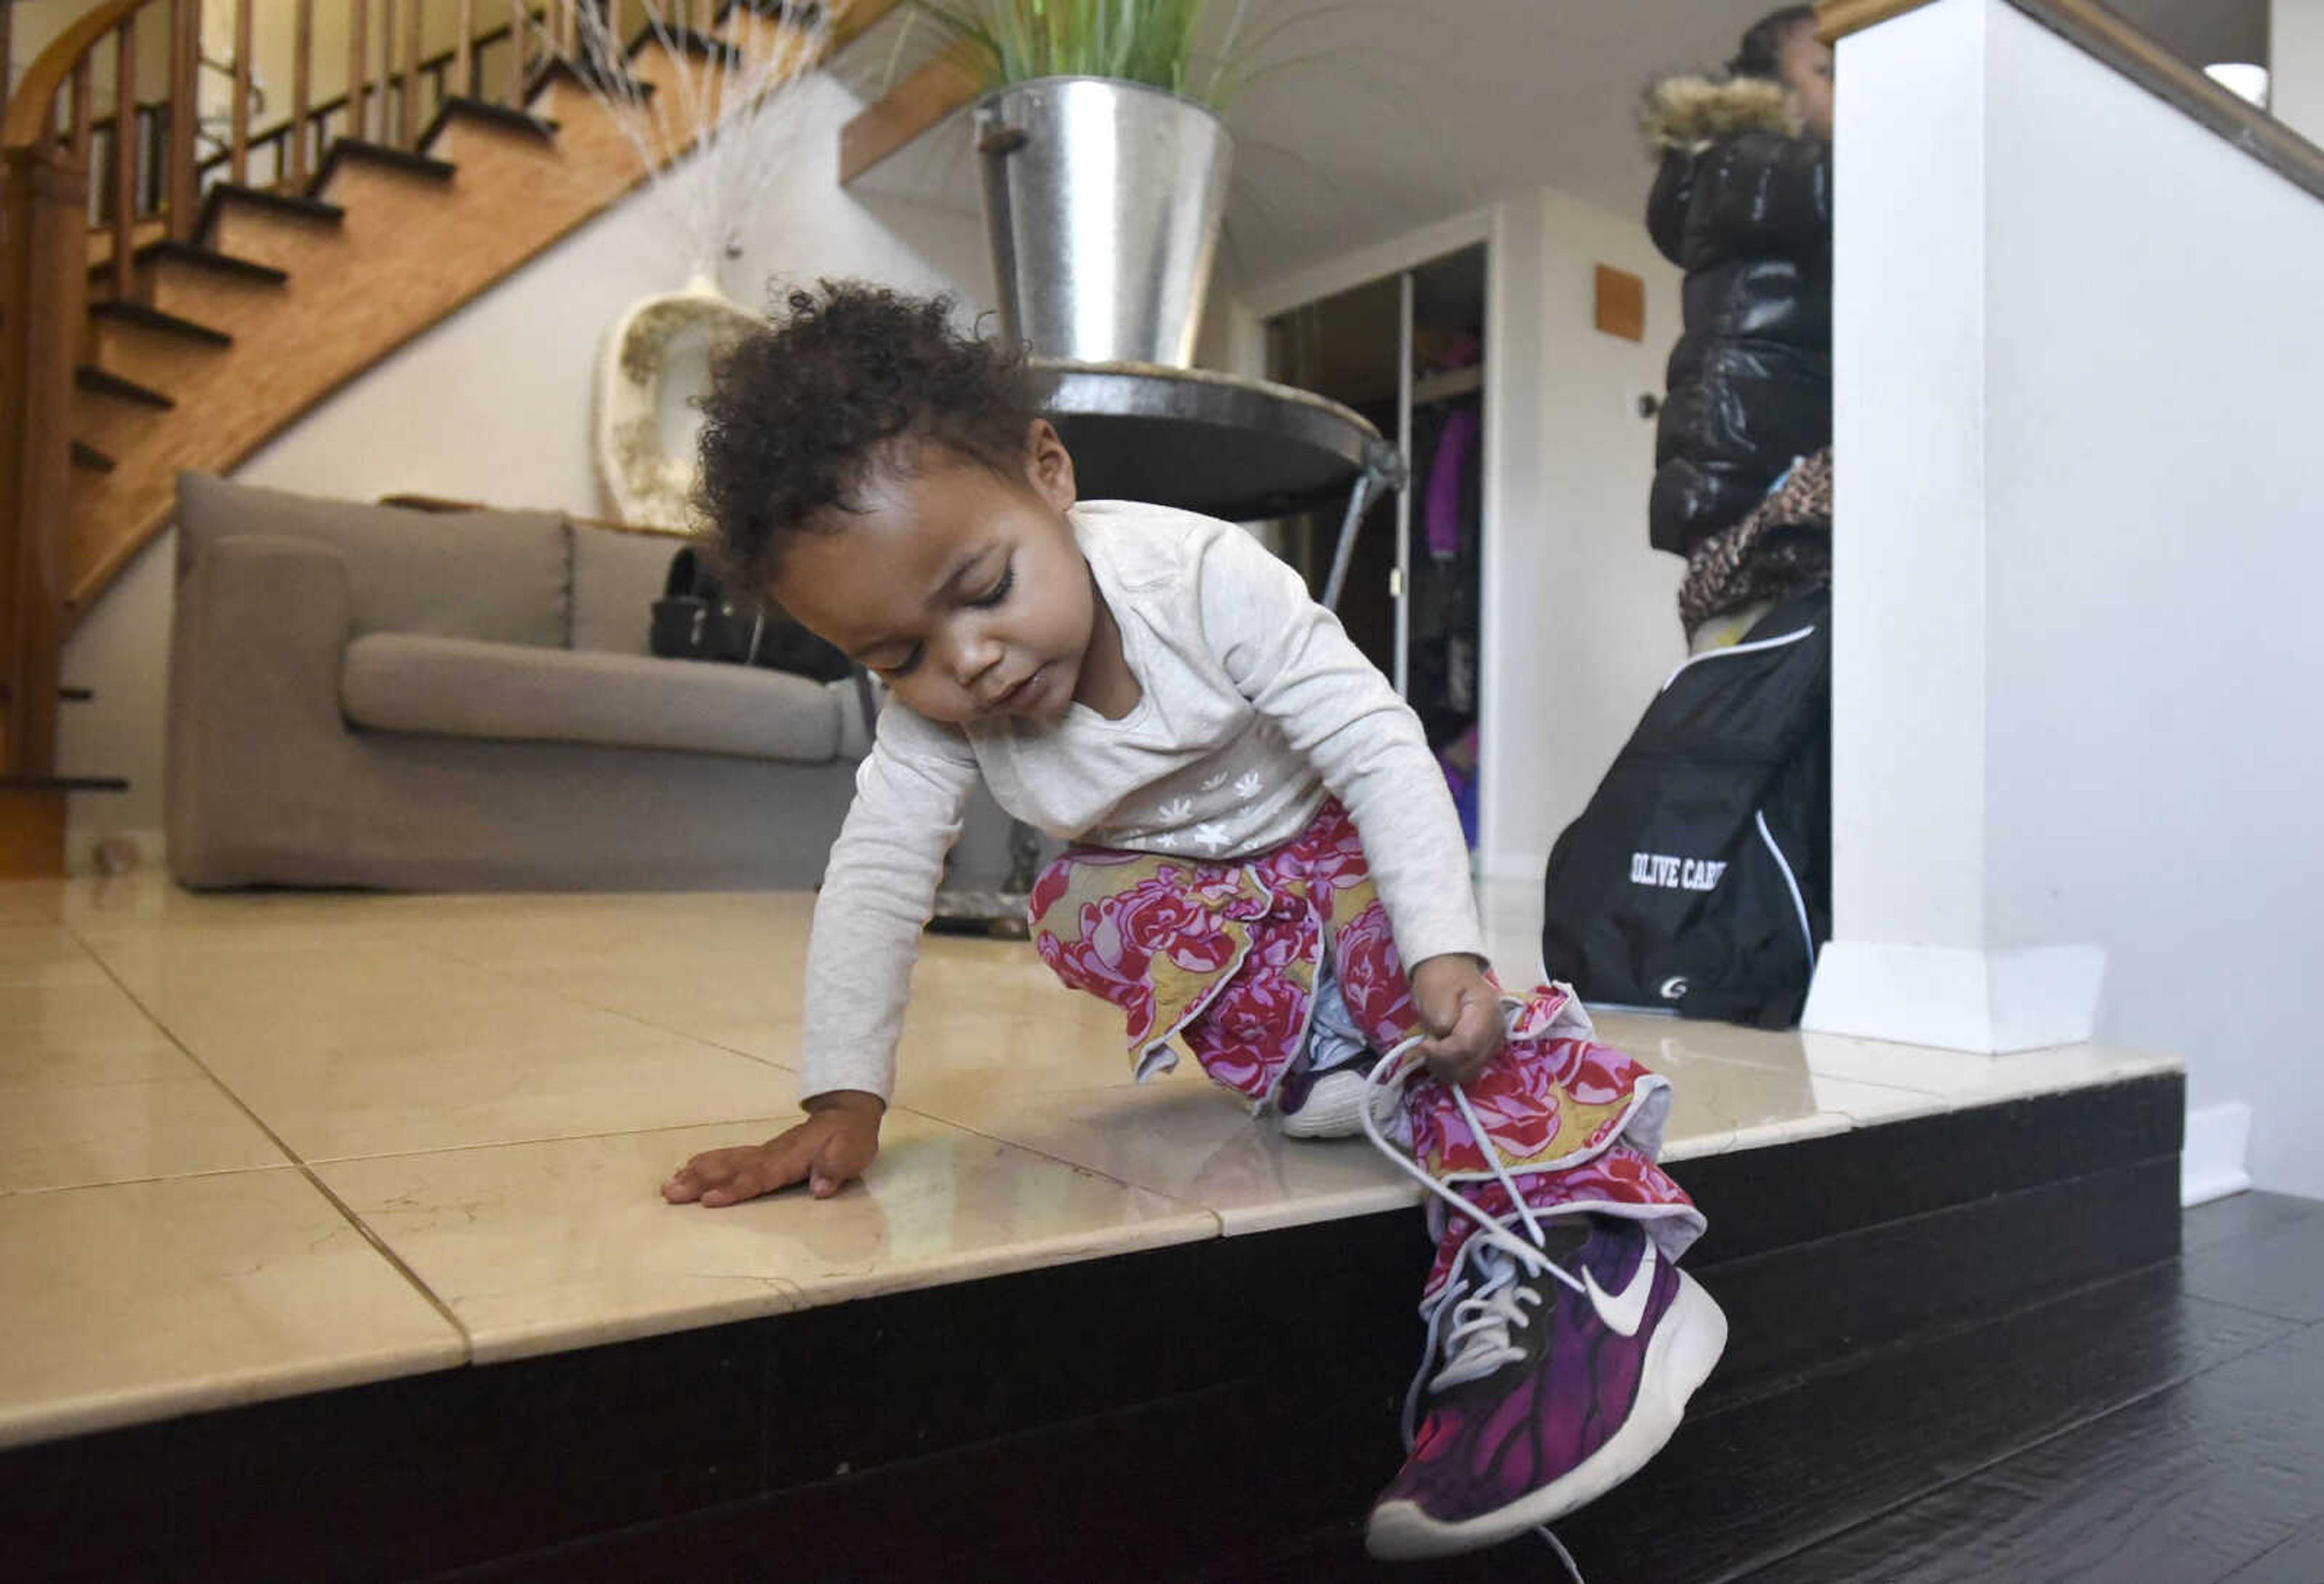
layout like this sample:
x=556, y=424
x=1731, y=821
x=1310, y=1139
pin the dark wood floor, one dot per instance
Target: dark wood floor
x=2163, y=1427
x=2208, y=1472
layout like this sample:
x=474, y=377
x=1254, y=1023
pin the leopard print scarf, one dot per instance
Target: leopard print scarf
x=1781, y=547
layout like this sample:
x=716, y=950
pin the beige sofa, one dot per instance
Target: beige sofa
x=364, y=696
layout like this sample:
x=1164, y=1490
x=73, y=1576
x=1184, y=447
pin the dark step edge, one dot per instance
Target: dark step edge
x=365, y=151
x=89, y=459
x=196, y=255
x=292, y=205
x=153, y=318
x=875, y=1383
x=561, y=70
x=103, y=382
x=778, y=10
x=460, y=107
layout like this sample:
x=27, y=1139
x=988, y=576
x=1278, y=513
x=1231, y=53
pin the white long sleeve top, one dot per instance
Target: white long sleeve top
x=1254, y=708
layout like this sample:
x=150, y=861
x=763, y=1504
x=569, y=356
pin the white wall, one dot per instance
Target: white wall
x=493, y=405
x=2295, y=48
x=1580, y=618
x=2156, y=540
x=2099, y=608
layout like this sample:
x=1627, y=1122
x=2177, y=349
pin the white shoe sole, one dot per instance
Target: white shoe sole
x=1334, y=1109
x=1688, y=1342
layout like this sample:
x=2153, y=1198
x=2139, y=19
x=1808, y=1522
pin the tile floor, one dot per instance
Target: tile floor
x=256, y=1146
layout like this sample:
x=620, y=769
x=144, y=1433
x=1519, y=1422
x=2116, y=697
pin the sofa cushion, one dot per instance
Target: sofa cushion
x=460, y=687
x=497, y=575
x=616, y=578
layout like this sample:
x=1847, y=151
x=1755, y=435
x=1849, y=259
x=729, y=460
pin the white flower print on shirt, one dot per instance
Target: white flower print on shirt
x=1247, y=785
x=1212, y=834
x=1215, y=782
x=1175, y=812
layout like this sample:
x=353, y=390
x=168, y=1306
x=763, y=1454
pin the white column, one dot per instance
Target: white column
x=2295, y=47
x=1916, y=955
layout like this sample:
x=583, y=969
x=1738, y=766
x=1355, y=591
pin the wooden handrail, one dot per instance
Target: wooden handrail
x=2100, y=32
x=27, y=116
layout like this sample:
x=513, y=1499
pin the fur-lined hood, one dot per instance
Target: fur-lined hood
x=1688, y=112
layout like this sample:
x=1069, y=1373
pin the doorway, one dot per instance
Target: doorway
x=1407, y=352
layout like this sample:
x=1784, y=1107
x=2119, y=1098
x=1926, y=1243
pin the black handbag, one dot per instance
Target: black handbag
x=696, y=620
x=1698, y=879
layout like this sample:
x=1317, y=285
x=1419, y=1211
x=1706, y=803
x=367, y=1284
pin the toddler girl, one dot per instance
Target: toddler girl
x=1269, y=872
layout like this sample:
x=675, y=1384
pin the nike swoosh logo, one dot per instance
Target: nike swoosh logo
x=1624, y=1315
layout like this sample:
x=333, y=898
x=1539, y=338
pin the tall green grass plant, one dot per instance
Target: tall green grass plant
x=1148, y=41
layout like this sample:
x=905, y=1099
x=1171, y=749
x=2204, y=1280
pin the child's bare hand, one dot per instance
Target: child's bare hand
x=1461, y=1012
x=829, y=1150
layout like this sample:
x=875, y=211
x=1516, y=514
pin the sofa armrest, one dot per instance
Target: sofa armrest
x=260, y=756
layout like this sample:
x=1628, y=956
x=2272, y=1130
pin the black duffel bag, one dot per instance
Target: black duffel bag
x=1698, y=879
x=696, y=620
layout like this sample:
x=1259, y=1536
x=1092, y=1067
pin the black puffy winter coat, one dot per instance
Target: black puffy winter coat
x=1743, y=204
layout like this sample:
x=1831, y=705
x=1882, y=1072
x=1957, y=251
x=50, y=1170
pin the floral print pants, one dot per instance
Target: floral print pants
x=1223, y=959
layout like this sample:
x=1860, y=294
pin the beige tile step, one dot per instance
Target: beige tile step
x=140, y=1301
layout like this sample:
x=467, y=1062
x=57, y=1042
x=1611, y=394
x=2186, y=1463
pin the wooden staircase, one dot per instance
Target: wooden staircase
x=192, y=309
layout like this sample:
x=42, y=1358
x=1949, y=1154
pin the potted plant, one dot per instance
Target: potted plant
x=1104, y=166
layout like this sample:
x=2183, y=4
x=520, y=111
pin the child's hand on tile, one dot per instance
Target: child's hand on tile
x=827, y=1151
x=1459, y=1015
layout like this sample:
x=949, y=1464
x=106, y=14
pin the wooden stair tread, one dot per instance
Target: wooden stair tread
x=559, y=69
x=200, y=257
x=88, y=458
x=296, y=206
x=103, y=382
x=125, y=311
x=459, y=107
x=363, y=150
x=687, y=40
x=196, y=255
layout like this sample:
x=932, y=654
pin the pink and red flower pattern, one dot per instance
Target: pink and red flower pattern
x=1223, y=957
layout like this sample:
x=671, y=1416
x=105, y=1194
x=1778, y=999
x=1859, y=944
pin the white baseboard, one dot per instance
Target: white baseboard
x=2214, y=1162
x=1958, y=998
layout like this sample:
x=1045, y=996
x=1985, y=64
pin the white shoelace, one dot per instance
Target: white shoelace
x=1480, y=1340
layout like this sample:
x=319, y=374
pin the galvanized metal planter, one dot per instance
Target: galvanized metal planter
x=1103, y=201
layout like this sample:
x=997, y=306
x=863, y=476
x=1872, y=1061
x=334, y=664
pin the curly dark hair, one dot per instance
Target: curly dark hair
x=799, y=412
x=1763, y=42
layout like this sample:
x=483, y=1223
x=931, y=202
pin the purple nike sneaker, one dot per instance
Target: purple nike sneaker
x=1565, y=1369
